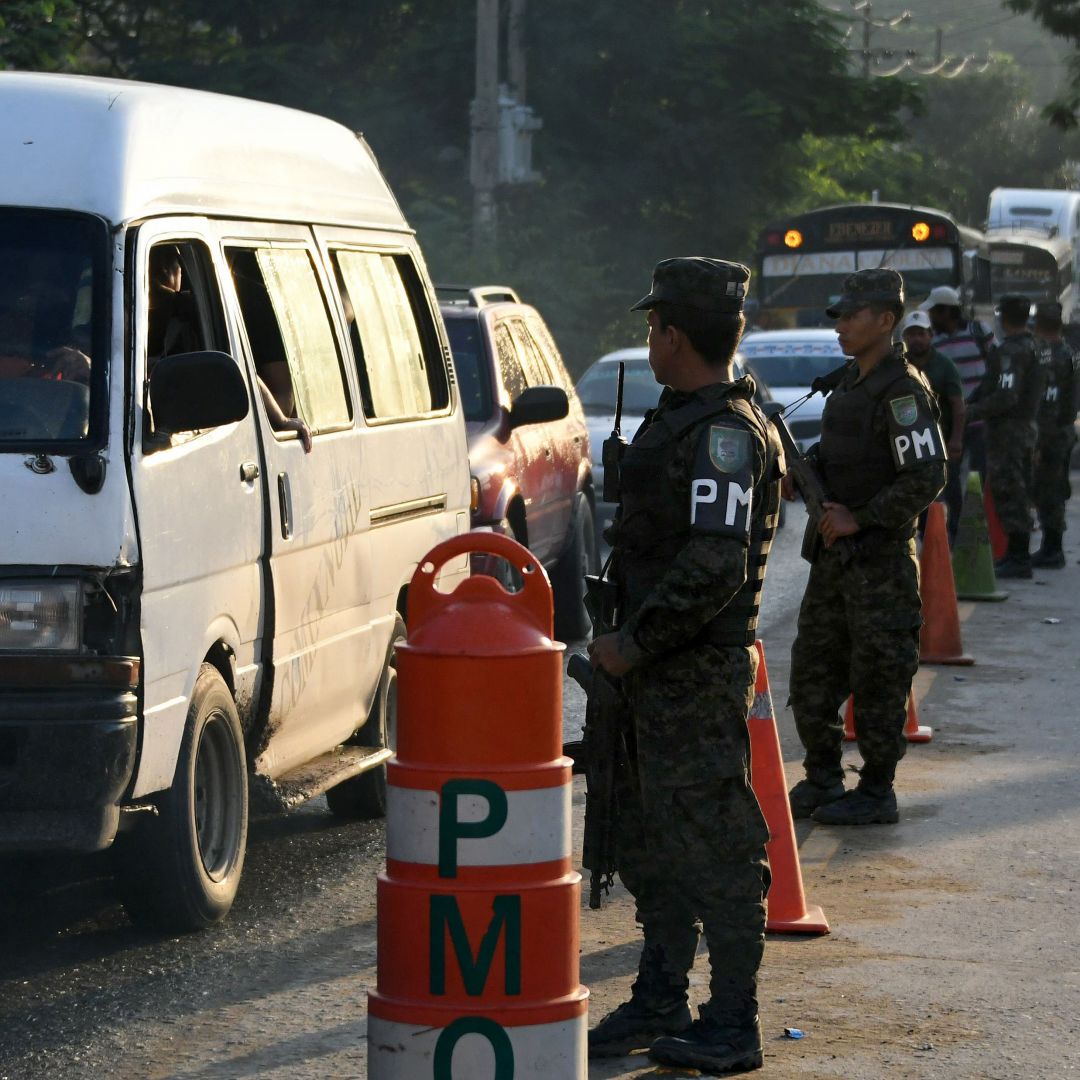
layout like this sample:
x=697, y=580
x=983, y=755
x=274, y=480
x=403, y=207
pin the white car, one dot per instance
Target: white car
x=597, y=390
x=789, y=361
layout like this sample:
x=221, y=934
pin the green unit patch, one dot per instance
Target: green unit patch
x=729, y=448
x=905, y=410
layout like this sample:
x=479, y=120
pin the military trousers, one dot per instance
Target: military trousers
x=1050, y=486
x=858, y=635
x=1009, y=449
x=691, y=836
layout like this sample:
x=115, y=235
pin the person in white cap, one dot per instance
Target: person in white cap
x=967, y=345
x=944, y=379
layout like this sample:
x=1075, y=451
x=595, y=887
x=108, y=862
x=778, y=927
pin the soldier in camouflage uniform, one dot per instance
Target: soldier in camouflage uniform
x=1008, y=400
x=700, y=497
x=882, y=460
x=1056, y=435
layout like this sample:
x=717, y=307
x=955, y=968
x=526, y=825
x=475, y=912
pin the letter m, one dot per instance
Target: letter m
x=923, y=440
x=446, y=920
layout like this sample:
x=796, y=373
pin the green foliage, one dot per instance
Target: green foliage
x=1060, y=17
x=41, y=34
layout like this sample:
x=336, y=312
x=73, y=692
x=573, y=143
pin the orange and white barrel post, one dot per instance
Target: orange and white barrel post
x=478, y=909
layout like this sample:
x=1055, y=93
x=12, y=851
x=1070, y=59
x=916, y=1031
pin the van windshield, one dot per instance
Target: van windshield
x=51, y=325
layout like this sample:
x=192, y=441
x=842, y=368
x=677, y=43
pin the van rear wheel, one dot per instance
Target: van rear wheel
x=180, y=870
x=363, y=797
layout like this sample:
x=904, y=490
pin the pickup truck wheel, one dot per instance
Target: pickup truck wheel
x=363, y=797
x=180, y=870
x=568, y=576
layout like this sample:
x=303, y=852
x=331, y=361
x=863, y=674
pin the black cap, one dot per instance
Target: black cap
x=1048, y=311
x=866, y=287
x=1014, y=308
x=698, y=282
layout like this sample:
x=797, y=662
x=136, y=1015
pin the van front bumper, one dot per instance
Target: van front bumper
x=67, y=752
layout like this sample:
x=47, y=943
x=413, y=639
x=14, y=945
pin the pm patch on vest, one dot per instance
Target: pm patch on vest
x=722, y=484
x=914, y=435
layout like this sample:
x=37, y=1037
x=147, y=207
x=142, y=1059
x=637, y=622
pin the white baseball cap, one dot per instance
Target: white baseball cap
x=916, y=318
x=945, y=295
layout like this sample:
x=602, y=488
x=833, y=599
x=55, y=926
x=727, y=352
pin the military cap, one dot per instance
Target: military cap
x=1015, y=307
x=698, y=282
x=866, y=287
x=1048, y=311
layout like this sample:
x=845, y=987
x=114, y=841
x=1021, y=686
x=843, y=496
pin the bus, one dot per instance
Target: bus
x=803, y=259
x=1033, y=264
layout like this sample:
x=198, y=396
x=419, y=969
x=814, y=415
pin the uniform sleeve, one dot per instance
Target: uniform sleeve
x=908, y=420
x=711, y=568
x=1069, y=393
x=1002, y=389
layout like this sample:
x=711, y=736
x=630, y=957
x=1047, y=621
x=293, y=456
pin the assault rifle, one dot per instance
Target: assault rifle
x=602, y=750
x=809, y=485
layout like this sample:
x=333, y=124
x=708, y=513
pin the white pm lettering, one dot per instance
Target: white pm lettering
x=1006, y=381
x=701, y=491
x=736, y=497
x=919, y=441
x=1051, y=394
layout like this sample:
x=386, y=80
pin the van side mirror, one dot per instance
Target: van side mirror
x=196, y=391
x=539, y=405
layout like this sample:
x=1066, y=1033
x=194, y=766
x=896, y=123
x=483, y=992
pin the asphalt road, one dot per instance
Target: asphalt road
x=84, y=993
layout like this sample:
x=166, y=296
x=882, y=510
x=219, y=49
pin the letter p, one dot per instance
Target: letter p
x=452, y=828
x=702, y=491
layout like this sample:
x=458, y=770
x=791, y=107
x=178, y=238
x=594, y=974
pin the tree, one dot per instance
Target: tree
x=40, y=34
x=1060, y=17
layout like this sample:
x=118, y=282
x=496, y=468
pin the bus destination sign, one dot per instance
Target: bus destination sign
x=867, y=231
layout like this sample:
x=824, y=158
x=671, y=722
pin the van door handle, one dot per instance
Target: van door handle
x=249, y=472
x=285, y=505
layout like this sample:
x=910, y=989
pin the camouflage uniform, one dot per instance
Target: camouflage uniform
x=1056, y=435
x=882, y=456
x=1008, y=401
x=700, y=499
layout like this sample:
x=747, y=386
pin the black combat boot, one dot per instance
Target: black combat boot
x=1017, y=561
x=712, y=1046
x=807, y=795
x=862, y=805
x=1049, y=556
x=657, y=1005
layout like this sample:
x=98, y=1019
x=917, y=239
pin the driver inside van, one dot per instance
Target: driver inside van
x=173, y=327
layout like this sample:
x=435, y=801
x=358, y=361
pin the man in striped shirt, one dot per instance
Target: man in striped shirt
x=966, y=344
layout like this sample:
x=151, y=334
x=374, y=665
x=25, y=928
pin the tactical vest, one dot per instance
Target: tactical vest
x=856, y=462
x=654, y=521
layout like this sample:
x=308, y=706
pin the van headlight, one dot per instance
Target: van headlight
x=44, y=615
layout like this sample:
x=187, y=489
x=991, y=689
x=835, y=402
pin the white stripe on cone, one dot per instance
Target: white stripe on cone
x=537, y=827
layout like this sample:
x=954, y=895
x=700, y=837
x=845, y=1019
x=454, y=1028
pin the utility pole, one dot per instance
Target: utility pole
x=484, y=159
x=515, y=50
x=865, y=11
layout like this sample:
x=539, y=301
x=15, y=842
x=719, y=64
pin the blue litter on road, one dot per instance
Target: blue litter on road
x=794, y=1033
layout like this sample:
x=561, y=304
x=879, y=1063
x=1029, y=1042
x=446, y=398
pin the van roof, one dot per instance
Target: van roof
x=128, y=150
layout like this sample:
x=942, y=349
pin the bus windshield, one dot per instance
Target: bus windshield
x=1028, y=271
x=52, y=320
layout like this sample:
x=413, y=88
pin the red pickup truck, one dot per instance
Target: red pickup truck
x=528, y=440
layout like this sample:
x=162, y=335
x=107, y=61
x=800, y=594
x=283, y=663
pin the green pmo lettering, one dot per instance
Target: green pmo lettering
x=452, y=828
x=446, y=920
x=454, y=1032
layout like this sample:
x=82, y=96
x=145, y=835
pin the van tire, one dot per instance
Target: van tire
x=568, y=575
x=363, y=797
x=180, y=869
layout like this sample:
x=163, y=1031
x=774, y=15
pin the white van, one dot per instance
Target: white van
x=193, y=290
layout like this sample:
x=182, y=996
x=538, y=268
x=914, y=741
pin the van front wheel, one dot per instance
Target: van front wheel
x=180, y=870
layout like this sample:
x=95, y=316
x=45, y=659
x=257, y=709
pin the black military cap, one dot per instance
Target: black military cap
x=1048, y=311
x=698, y=282
x=1015, y=307
x=866, y=287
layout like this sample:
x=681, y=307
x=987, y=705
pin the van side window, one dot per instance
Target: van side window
x=184, y=312
x=399, y=360
x=288, y=328
x=542, y=336
x=513, y=378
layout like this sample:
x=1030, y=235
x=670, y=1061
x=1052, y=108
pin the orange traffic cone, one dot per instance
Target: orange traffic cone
x=999, y=542
x=787, y=909
x=913, y=730
x=939, y=641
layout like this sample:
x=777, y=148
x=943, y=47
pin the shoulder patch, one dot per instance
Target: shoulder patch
x=905, y=410
x=729, y=448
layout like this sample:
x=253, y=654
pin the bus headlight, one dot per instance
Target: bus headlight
x=40, y=615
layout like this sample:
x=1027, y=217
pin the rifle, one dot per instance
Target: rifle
x=811, y=489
